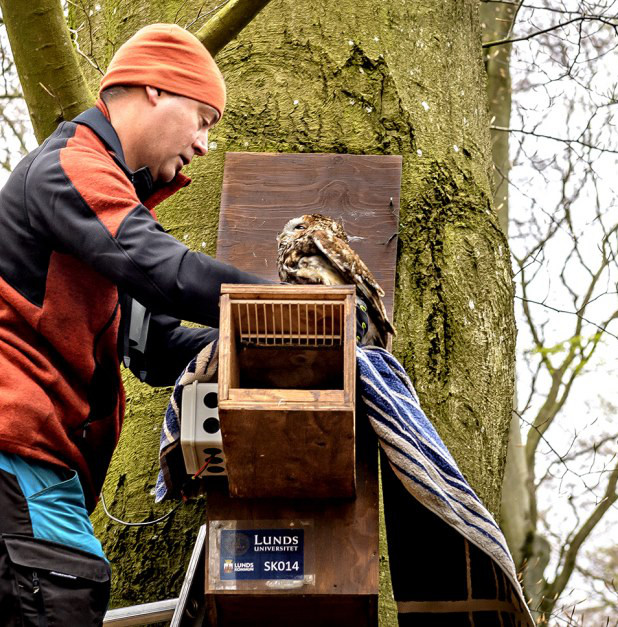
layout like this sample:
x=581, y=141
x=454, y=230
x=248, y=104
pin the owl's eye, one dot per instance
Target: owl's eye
x=300, y=227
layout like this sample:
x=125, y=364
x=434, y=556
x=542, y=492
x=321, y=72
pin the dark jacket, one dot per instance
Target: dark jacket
x=77, y=230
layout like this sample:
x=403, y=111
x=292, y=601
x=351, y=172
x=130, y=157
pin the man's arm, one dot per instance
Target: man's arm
x=83, y=204
x=169, y=348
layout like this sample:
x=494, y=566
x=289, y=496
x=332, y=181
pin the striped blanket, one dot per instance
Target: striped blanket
x=449, y=561
x=172, y=476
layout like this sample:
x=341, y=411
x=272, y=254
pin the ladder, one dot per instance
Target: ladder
x=188, y=610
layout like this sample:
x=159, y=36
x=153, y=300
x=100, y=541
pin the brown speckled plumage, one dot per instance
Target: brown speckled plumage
x=314, y=249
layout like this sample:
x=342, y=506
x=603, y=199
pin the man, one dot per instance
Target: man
x=82, y=250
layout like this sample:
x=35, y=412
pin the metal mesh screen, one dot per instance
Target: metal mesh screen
x=288, y=323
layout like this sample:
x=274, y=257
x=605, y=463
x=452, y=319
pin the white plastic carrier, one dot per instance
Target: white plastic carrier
x=200, y=431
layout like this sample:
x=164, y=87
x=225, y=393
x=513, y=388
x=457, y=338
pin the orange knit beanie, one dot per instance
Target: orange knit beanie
x=168, y=57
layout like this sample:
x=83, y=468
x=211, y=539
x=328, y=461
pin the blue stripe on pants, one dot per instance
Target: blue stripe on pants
x=55, y=501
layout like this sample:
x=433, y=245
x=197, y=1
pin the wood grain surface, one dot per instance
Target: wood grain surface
x=262, y=191
x=297, y=611
x=287, y=412
x=345, y=554
x=289, y=454
x=292, y=368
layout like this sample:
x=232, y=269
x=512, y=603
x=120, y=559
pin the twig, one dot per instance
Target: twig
x=582, y=18
x=556, y=139
x=573, y=313
x=94, y=64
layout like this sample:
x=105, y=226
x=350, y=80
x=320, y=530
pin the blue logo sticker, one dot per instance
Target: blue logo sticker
x=262, y=554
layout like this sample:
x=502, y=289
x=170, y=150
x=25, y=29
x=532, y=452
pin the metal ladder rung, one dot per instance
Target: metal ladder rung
x=176, y=610
x=144, y=614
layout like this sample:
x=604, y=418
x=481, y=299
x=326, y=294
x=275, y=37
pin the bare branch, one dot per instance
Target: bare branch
x=92, y=62
x=556, y=139
x=581, y=18
x=16, y=132
x=557, y=586
x=602, y=328
x=200, y=16
x=535, y=7
x=592, y=448
x=225, y=25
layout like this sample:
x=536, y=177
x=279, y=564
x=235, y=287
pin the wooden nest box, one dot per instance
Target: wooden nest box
x=287, y=390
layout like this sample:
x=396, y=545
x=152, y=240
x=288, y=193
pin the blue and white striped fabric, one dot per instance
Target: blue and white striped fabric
x=423, y=464
x=418, y=455
x=426, y=470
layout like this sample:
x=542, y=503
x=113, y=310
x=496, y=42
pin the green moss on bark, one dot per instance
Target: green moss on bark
x=52, y=83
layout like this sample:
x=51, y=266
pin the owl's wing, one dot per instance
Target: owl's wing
x=346, y=261
x=354, y=272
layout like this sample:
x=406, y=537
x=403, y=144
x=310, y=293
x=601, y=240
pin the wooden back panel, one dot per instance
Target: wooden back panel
x=262, y=191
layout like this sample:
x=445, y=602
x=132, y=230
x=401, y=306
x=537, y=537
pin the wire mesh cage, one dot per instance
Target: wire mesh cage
x=289, y=323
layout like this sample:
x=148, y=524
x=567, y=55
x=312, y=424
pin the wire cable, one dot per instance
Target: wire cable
x=138, y=524
x=146, y=523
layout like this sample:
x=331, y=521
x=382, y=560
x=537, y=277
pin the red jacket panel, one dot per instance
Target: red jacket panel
x=75, y=230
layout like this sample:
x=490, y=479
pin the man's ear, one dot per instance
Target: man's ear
x=152, y=95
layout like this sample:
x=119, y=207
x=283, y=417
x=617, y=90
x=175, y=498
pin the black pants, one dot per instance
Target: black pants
x=43, y=583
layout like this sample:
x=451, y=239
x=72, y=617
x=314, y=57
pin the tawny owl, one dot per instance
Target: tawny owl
x=314, y=249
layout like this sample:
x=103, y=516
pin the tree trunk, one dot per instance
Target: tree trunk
x=53, y=85
x=530, y=550
x=496, y=21
x=359, y=77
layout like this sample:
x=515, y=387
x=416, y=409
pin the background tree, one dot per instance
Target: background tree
x=564, y=240
x=15, y=131
x=497, y=22
x=355, y=77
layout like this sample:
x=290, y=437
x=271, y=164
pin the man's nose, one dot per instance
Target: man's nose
x=200, y=145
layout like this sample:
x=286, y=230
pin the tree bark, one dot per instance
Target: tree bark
x=497, y=21
x=53, y=84
x=354, y=77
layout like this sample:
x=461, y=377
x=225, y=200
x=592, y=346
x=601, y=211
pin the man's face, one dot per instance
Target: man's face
x=178, y=131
